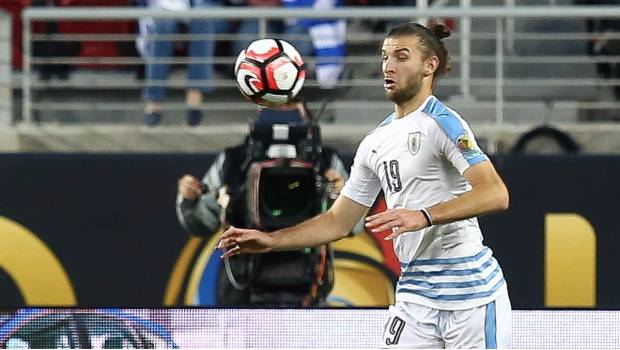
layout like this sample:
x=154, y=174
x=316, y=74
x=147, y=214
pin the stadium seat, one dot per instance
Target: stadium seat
x=14, y=8
x=91, y=48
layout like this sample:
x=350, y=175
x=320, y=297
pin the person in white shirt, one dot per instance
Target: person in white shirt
x=451, y=292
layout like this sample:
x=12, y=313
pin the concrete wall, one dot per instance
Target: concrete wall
x=593, y=138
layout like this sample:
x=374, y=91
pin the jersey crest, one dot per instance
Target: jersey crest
x=413, y=142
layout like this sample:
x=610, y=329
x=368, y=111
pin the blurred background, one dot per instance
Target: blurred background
x=88, y=179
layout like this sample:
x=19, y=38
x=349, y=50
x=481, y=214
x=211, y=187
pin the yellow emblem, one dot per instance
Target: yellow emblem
x=464, y=143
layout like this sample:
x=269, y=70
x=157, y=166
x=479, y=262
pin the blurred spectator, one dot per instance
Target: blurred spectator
x=56, y=48
x=603, y=46
x=328, y=41
x=157, y=49
x=51, y=49
x=39, y=48
x=248, y=29
x=86, y=48
x=380, y=25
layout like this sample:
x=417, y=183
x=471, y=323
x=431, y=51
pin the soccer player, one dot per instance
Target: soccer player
x=451, y=292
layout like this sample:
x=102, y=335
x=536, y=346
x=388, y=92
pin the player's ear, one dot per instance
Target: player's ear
x=430, y=65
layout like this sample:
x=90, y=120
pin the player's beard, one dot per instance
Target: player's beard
x=412, y=87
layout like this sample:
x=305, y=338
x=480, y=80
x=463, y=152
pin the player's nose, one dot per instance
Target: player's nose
x=389, y=65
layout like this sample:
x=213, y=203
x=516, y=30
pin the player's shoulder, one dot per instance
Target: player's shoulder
x=444, y=117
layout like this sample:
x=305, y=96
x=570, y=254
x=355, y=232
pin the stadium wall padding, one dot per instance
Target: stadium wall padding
x=109, y=219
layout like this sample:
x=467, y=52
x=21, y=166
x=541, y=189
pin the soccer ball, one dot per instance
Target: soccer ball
x=270, y=72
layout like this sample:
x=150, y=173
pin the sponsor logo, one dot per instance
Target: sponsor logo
x=36, y=270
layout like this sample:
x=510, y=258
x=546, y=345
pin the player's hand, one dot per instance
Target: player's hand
x=397, y=220
x=190, y=187
x=236, y=241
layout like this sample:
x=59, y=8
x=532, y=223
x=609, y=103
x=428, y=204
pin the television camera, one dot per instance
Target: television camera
x=281, y=183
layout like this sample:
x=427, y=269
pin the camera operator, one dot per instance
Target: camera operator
x=203, y=206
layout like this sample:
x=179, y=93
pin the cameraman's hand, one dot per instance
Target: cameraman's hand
x=336, y=179
x=190, y=187
x=236, y=241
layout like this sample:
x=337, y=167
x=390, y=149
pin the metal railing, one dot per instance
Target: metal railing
x=6, y=91
x=491, y=88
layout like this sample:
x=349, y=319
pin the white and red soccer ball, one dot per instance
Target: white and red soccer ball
x=270, y=72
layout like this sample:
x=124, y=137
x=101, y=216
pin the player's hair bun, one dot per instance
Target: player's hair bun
x=440, y=30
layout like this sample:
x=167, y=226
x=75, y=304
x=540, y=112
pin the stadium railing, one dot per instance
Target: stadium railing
x=6, y=101
x=515, y=65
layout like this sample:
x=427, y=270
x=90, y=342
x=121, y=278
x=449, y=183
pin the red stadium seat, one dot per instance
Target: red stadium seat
x=15, y=7
x=97, y=48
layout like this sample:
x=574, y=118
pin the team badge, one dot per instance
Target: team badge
x=414, y=142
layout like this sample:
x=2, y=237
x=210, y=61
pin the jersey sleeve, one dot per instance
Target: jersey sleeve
x=363, y=185
x=457, y=142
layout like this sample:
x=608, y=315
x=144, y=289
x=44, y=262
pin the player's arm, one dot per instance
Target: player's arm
x=334, y=224
x=488, y=195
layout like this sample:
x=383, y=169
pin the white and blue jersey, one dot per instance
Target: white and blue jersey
x=419, y=161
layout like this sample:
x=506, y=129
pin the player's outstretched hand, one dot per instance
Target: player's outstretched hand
x=236, y=241
x=397, y=220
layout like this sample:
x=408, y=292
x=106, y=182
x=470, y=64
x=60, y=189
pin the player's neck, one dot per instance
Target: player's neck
x=414, y=103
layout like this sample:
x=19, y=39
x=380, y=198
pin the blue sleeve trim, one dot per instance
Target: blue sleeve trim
x=454, y=129
x=478, y=159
